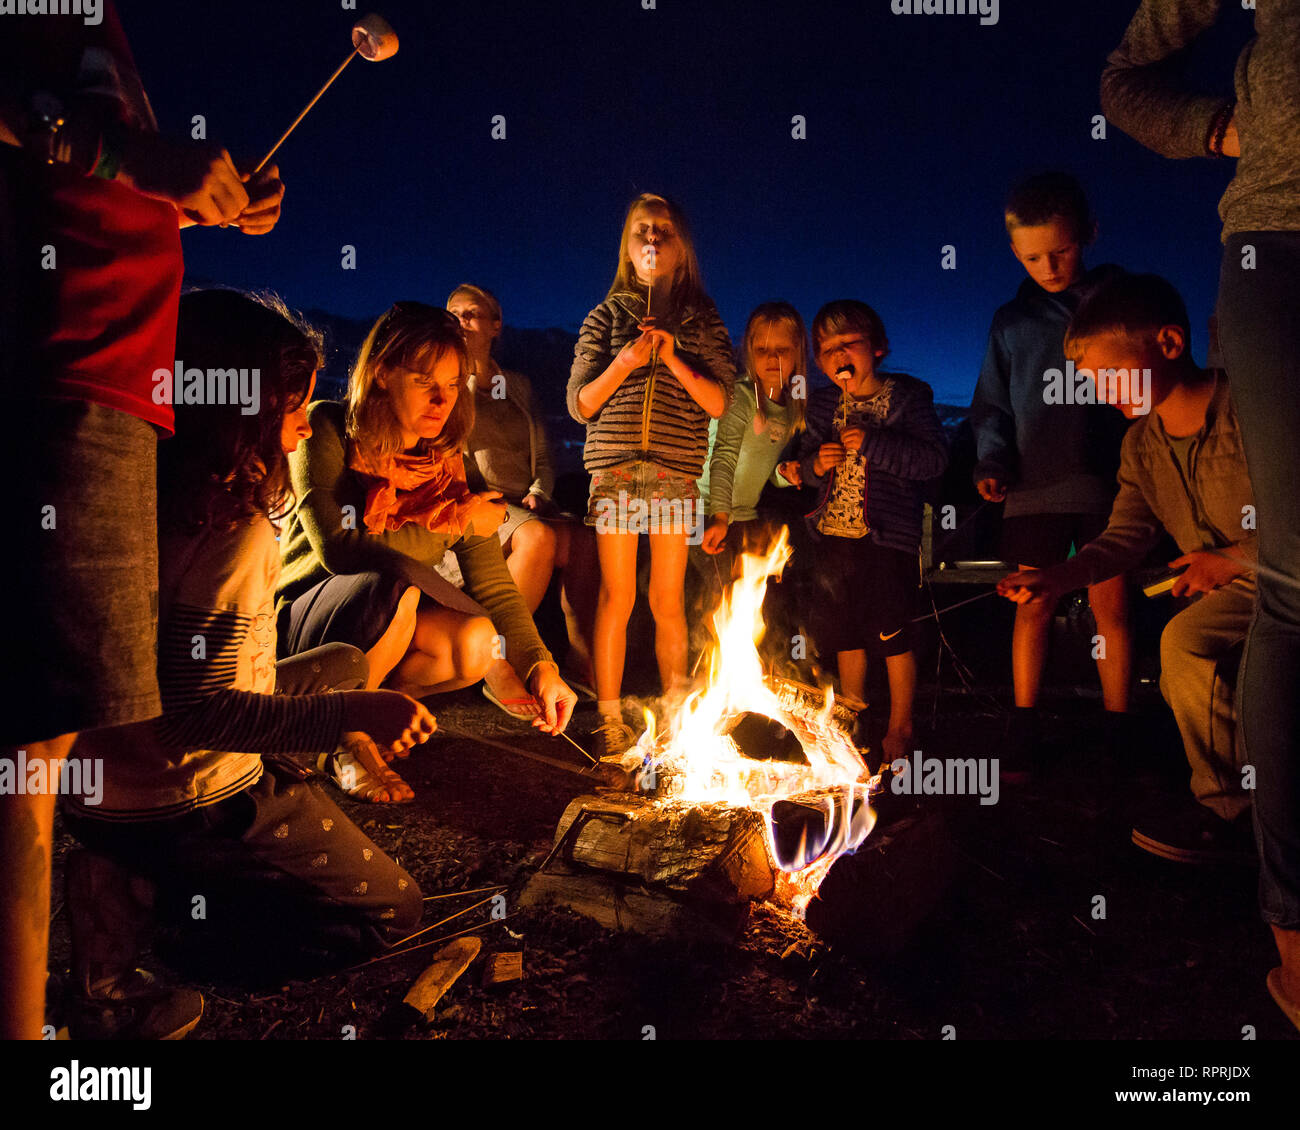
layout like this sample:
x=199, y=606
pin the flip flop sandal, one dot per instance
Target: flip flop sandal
x=522, y=709
x=1290, y=1008
x=358, y=782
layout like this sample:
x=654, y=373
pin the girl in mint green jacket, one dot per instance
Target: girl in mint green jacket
x=747, y=442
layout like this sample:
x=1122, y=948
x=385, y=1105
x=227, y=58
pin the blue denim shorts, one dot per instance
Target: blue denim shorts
x=640, y=497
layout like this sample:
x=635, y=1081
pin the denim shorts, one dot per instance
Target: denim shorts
x=644, y=498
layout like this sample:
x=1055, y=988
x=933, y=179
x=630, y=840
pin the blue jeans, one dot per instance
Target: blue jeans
x=1259, y=328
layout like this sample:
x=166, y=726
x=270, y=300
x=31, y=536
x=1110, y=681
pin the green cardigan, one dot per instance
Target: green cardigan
x=741, y=464
x=316, y=542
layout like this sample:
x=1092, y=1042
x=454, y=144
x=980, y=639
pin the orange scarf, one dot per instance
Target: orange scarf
x=429, y=490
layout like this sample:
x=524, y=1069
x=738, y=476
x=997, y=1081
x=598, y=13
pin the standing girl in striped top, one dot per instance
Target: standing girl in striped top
x=653, y=365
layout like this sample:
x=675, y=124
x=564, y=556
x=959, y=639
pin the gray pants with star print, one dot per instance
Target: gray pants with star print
x=278, y=865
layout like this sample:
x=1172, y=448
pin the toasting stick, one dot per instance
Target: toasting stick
x=373, y=38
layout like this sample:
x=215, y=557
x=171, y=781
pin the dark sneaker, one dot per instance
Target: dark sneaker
x=1191, y=833
x=135, y=1008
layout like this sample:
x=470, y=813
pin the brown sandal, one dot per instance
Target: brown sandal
x=360, y=772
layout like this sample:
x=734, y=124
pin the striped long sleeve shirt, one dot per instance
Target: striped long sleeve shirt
x=650, y=416
x=216, y=671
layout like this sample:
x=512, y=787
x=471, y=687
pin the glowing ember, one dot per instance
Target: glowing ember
x=815, y=809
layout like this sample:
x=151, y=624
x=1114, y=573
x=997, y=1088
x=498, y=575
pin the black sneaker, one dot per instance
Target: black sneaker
x=1191, y=833
x=135, y=1008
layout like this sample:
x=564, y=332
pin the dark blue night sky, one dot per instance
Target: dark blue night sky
x=915, y=127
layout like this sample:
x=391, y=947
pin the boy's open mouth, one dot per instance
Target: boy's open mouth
x=846, y=369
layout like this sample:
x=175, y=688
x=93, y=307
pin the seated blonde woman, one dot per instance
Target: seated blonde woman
x=381, y=495
x=508, y=449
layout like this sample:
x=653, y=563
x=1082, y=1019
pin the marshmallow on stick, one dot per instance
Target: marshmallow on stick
x=374, y=39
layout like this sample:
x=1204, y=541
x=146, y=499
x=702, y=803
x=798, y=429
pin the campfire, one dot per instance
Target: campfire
x=750, y=787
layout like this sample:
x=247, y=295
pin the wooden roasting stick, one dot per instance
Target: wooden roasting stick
x=567, y=766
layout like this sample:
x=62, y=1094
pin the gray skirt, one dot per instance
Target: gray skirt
x=81, y=570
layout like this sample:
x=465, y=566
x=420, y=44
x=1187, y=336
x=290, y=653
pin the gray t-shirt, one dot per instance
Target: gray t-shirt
x=1184, y=449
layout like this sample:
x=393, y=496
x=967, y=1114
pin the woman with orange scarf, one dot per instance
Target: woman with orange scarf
x=381, y=496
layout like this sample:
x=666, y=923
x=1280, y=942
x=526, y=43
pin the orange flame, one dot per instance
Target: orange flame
x=695, y=761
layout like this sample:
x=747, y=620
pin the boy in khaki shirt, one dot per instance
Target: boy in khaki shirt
x=1182, y=470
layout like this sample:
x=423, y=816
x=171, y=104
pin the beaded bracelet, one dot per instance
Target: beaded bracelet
x=1219, y=129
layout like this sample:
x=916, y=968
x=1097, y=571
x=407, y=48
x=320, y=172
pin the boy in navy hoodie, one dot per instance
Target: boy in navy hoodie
x=1051, y=458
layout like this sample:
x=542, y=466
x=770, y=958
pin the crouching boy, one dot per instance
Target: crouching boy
x=1182, y=470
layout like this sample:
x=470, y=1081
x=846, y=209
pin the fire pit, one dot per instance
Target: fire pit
x=750, y=789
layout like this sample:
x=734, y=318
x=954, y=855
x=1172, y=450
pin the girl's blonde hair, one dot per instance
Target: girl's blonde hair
x=411, y=336
x=687, y=288
x=780, y=313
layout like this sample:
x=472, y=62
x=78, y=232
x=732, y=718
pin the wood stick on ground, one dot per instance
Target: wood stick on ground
x=425, y=945
x=444, y=921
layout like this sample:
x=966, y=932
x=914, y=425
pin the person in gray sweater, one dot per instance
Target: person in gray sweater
x=1143, y=92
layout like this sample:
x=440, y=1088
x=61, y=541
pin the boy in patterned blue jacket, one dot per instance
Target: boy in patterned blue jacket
x=872, y=439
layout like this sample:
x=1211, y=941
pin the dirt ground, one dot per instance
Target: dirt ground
x=1014, y=947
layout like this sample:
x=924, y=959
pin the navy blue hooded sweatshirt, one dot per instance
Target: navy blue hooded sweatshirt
x=1053, y=458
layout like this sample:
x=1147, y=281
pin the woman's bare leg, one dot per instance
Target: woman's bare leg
x=449, y=650
x=530, y=557
x=575, y=554
x=668, y=555
x=617, y=555
x=396, y=640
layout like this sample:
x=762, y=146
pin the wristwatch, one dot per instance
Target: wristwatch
x=44, y=125
x=57, y=141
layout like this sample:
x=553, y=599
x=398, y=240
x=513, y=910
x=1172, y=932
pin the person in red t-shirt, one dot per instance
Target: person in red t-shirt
x=91, y=199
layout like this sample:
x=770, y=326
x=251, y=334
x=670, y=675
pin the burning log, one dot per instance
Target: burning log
x=766, y=739
x=706, y=848
x=752, y=787
x=660, y=869
x=873, y=901
x=807, y=826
